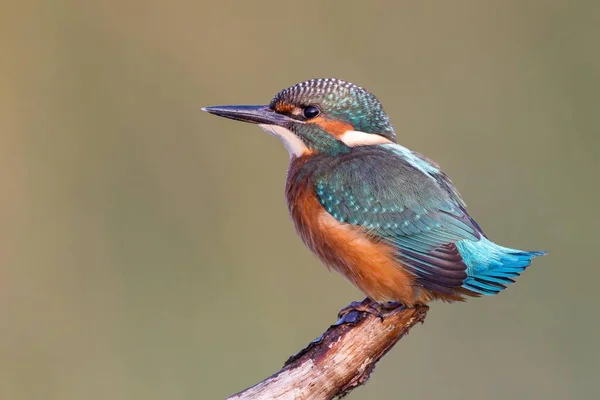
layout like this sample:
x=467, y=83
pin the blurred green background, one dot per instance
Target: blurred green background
x=145, y=247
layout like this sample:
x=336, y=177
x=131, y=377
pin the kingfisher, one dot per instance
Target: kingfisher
x=386, y=217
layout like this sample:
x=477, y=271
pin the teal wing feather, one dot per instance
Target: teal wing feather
x=403, y=199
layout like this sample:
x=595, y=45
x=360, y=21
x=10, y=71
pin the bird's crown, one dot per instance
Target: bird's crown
x=334, y=100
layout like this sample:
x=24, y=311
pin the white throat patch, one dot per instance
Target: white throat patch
x=292, y=143
x=358, y=138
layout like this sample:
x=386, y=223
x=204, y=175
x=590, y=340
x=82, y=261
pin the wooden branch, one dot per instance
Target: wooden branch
x=342, y=358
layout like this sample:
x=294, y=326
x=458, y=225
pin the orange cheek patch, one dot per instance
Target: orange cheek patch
x=333, y=127
x=282, y=107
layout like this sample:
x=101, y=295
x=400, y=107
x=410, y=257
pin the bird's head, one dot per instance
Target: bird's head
x=318, y=116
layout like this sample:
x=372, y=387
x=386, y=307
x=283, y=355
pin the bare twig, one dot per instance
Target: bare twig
x=342, y=358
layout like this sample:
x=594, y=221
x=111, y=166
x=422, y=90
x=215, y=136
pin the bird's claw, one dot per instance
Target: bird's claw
x=368, y=306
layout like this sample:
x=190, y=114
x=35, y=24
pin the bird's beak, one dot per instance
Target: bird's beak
x=252, y=114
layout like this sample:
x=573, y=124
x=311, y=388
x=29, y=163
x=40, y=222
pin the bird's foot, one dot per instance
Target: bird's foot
x=368, y=306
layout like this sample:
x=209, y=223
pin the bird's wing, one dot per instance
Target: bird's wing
x=402, y=198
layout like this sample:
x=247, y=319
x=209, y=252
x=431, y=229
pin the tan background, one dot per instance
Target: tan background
x=145, y=248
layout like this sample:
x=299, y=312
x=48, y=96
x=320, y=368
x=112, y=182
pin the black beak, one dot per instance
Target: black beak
x=252, y=114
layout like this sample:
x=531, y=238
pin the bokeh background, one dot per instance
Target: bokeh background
x=145, y=247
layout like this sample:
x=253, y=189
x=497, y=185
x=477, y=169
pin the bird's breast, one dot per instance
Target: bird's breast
x=368, y=263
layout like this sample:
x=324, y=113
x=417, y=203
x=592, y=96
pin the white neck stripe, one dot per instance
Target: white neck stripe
x=358, y=138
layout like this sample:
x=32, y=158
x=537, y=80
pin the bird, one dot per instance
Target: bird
x=387, y=218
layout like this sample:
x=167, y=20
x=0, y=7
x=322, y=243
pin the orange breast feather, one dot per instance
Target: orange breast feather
x=367, y=263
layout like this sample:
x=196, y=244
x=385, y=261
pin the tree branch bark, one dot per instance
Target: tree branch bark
x=342, y=358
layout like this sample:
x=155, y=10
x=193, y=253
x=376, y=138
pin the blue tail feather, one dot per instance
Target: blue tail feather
x=491, y=267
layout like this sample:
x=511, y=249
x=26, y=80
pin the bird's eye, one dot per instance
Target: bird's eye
x=311, y=112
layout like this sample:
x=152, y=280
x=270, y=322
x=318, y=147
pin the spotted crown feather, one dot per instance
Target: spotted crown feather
x=340, y=100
